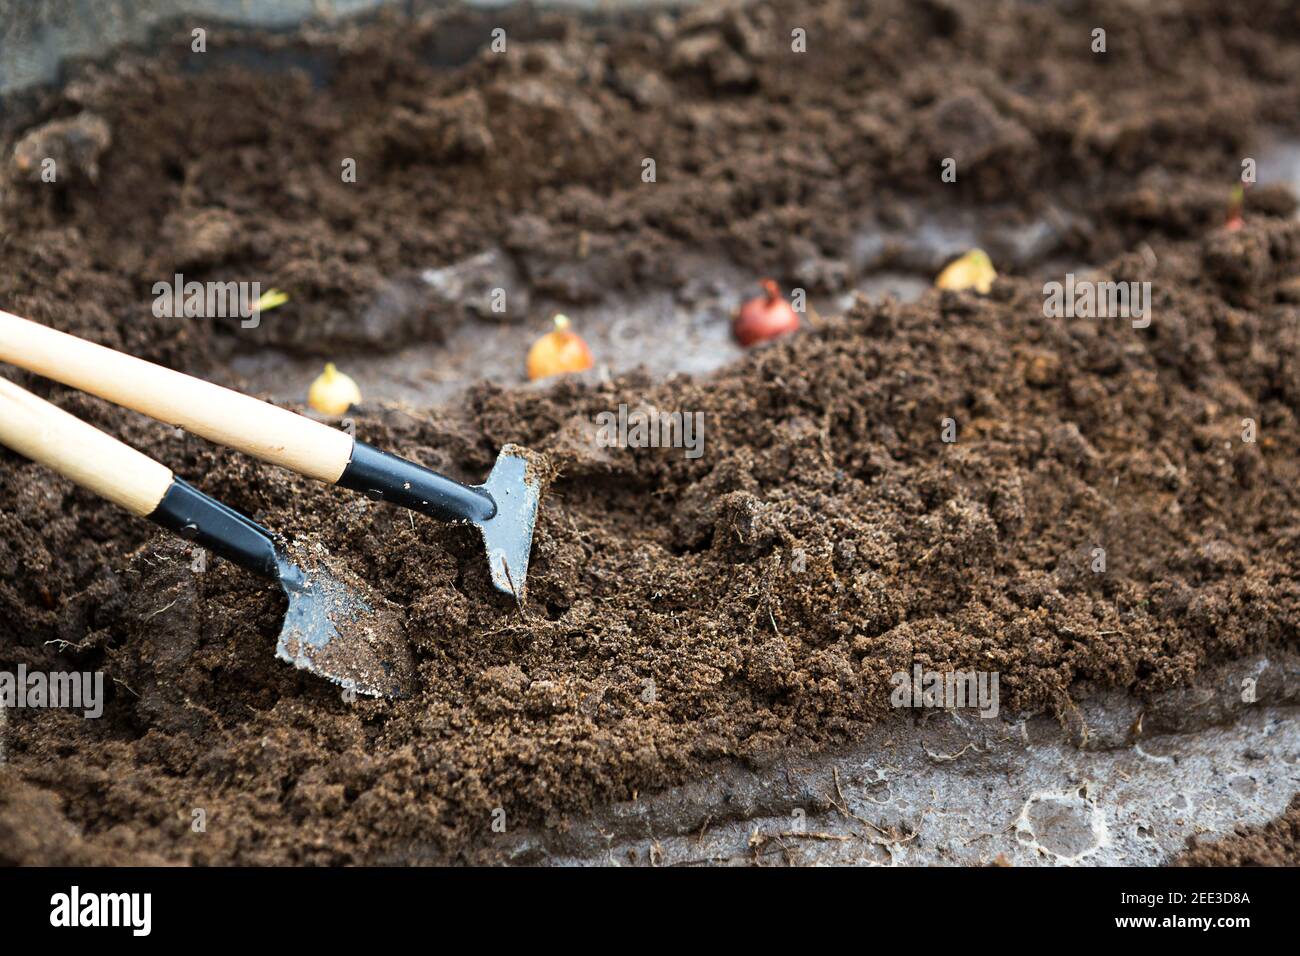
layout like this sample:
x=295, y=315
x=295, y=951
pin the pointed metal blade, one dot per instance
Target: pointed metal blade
x=331, y=630
x=515, y=486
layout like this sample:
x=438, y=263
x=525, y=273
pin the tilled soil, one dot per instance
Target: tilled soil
x=680, y=611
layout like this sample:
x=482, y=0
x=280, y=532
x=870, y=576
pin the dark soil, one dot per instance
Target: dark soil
x=679, y=612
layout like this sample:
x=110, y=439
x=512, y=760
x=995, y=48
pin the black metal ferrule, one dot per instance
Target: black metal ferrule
x=221, y=529
x=387, y=477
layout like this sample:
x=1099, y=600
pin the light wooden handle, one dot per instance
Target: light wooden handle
x=47, y=434
x=219, y=414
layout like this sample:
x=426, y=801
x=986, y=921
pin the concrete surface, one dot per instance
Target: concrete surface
x=1122, y=782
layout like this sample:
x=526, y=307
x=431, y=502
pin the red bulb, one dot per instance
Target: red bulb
x=764, y=317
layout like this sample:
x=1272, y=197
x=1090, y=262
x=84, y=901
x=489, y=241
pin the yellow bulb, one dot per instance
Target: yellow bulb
x=972, y=271
x=333, y=393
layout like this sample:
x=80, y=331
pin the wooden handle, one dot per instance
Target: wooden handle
x=219, y=414
x=47, y=434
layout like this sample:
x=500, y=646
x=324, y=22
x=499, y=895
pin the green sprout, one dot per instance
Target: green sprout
x=270, y=299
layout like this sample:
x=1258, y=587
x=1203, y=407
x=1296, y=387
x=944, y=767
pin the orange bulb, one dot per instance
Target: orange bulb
x=558, y=351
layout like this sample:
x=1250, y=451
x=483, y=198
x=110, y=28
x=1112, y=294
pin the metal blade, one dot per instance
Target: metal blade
x=515, y=486
x=331, y=630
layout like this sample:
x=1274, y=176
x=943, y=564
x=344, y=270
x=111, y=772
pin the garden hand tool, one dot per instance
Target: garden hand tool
x=329, y=629
x=504, y=508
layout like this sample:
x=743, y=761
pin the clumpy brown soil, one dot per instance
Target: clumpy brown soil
x=679, y=612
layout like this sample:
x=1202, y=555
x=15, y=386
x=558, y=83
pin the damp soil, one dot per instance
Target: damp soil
x=680, y=612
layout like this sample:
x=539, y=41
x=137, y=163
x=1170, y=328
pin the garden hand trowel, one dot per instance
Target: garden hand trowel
x=504, y=508
x=330, y=628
